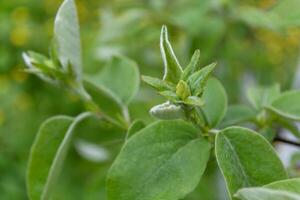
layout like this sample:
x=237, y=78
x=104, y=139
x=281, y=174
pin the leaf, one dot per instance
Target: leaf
x=135, y=127
x=215, y=102
x=48, y=153
x=197, y=80
x=260, y=97
x=121, y=76
x=287, y=105
x=172, y=96
x=163, y=161
x=287, y=13
x=192, y=66
x=288, y=189
x=265, y=194
x=289, y=185
x=237, y=114
x=173, y=69
x=67, y=37
x=158, y=84
x=194, y=101
x=106, y=101
x=246, y=159
x=183, y=90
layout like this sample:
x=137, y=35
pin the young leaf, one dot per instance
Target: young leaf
x=265, y=194
x=263, y=96
x=238, y=114
x=158, y=84
x=215, y=102
x=105, y=100
x=48, y=153
x=67, y=36
x=135, y=127
x=162, y=161
x=183, y=90
x=121, y=76
x=192, y=66
x=197, y=80
x=287, y=105
x=194, y=101
x=246, y=159
x=173, y=69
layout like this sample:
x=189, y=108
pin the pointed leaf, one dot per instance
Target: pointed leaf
x=192, y=66
x=67, y=36
x=246, y=159
x=48, y=153
x=194, y=101
x=215, y=102
x=197, y=81
x=158, y=84
x=173, y=69
x=163, y=161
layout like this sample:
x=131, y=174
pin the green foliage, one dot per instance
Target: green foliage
x=287, y=105
x=48, y=153
x=215, y=102
x=163, y=156
x=121, y=77
x=168, y=158
x=239, y=161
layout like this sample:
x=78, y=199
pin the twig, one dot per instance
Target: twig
x=279, y=139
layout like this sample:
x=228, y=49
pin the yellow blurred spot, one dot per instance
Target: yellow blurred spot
x=2, y=117
x=20, y=14
x=73, y=97
x=18, y=75
x=23, y=102
x=19, y=36
x=266, y=3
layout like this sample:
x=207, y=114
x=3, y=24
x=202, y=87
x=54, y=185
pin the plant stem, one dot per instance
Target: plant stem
x=279, y=139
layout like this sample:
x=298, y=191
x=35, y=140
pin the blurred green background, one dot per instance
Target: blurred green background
x=254, y=42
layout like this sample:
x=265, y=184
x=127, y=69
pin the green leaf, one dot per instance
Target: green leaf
x=287, y=12
x=121, y=76
x=183, y=90
x=172, y=96
x=237, y=114
x=246, y=159
x=158, y=84
x=261, y=96
x=162, y=161
x=215, y=102
x=192, y=66
x=265, y=194
x=48, y=153
x=67, y=37
x=287, y=105
x=288, y=189
x=197, y=80
x=135, y=127
x=268, y=133
x=289, y=185
x=105, y=100
x=173, y=69
x=194, y=101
